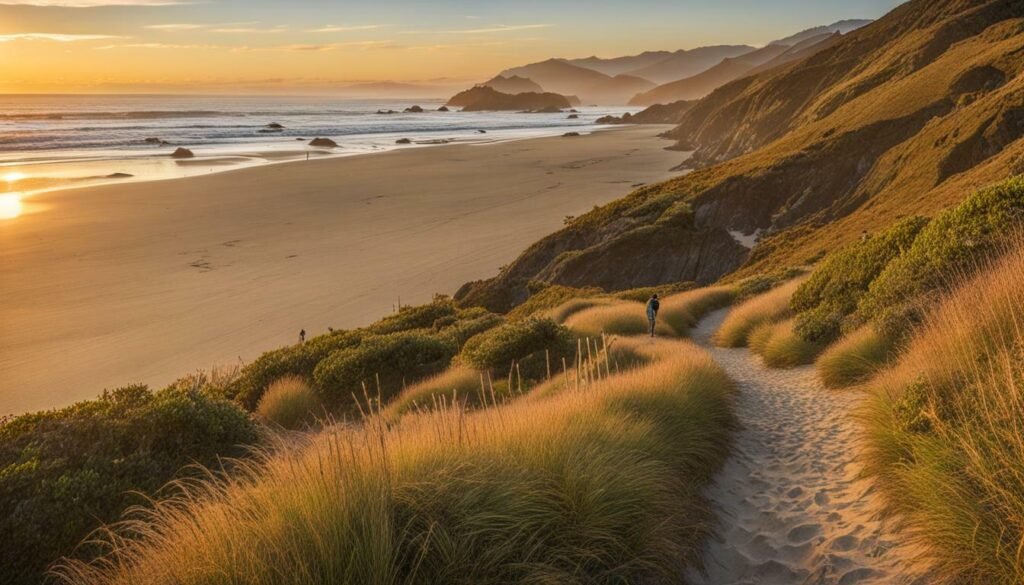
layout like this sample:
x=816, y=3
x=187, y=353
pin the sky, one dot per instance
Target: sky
x=318, y=46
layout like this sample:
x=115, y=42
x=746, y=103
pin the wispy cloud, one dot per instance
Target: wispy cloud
x=364, y=45
x=54, y=37
x=332, y=28
x=250, y=30
x=174, y=27
x=160, y=46
x=91, y=3
x=498, y=28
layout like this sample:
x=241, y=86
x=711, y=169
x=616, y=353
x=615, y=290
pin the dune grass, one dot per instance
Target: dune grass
x=780, y=346
x=595, y=486
x=682, y=311
x=945, y=428
x=456, y=385
x=290, y=403
x=769, y=307
x=621, y=318
x=855, y=358
x=562, y=312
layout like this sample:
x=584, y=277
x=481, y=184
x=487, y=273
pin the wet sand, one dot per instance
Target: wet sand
x=145, y=282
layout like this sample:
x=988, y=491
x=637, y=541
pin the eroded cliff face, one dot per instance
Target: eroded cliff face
x=905, y=116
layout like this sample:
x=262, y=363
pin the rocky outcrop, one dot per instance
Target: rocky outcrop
x=487, y=99
x=182, y=153
x=656, y=114
x=414, y=110
x=323, y=143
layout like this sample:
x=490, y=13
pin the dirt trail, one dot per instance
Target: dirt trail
x=791, y=508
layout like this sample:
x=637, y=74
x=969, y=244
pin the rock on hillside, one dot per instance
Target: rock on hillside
x=905, y=116
x=487, y=99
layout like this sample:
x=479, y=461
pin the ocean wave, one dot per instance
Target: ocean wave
x=143, y=115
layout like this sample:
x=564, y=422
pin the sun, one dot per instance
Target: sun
x=14, y=177
x=10, y=206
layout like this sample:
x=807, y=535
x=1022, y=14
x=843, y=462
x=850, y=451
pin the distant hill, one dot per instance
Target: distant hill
x=681, y=64
x=905, y=116
x=799, y=52
x=705, y=82
x=484, y=98
x=841, y=27
x=513, y=84
x=656, y=114
x=592, y=87
x=619, y=65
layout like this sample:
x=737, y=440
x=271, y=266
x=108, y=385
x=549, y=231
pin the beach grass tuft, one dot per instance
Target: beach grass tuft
x=290, y=403
x=769, y=307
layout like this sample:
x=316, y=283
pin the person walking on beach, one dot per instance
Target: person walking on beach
x=302, y=336
x=652, y=311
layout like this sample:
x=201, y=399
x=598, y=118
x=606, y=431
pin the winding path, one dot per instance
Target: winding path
x=791, y=507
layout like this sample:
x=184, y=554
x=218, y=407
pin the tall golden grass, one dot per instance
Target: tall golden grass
x=780, y=346
x=770, y=307
x=595, y=486
x=290, y=403
x=946, y=430
x=562, y=312
x=458, y=384
x=681, y=311
x=621, y=318
x=855, y=358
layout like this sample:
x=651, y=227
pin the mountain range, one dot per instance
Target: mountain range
x=905, y=116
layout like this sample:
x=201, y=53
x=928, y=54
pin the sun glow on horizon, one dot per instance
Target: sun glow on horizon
x=10, y=205
x=14, y=177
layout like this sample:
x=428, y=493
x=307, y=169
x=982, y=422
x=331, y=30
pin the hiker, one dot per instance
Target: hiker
x=652, y=311
x=302, y=336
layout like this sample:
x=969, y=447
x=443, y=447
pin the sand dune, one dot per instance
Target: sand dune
x=791, y=505
x=144, y=282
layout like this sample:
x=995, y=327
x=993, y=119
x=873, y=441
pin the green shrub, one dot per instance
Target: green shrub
x=290, y=404
x=395, y=360
x=756, y=285
x=955, y=242
x=295, y=360
x=65, y=472
x=411, y=318
x=517, y=341
x=465, y=325
x=825, y=300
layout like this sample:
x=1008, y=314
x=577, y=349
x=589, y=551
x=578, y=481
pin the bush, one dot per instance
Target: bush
x=855, y=358
x=411, y=318
x=65, y=472
x=830, y=295
x=955, y=242
x=394, y=360
x=945, y=428
x=603, y=486
x=518, y=341
x=465, y=325
x=294, y=360
x=290, y=404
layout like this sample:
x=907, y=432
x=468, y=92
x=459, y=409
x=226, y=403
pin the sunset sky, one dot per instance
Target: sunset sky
x=307, y=46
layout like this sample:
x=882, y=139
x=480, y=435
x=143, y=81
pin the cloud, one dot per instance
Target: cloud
x=155, y=46
x=333, y=46
x=498, y=28
x=174, y=27
x=91, y=3
x=55, y=37
x=251, y=30
x=331, y=28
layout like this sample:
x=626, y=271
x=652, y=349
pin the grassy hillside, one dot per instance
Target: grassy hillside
x=903, y=117
x=597, y=485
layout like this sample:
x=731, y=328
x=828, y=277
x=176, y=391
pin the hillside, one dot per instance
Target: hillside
x=685, y=63
x=799, y=52
x=618, y=65
x=841, y=27
x=705, y=82
x=485, y=98
x=656, y=114
x=905, y=116
x=513, y=85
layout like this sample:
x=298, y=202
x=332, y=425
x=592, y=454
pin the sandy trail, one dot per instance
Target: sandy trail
x=791, y=507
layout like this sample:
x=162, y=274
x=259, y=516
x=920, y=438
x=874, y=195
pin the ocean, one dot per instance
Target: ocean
x=57, y=141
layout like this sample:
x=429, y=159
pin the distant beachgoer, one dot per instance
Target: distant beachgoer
x=302, y=336
x=652, y=311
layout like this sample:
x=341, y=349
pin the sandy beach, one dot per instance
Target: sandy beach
x=145, y=282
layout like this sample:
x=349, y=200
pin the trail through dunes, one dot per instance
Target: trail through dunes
x=791, y=507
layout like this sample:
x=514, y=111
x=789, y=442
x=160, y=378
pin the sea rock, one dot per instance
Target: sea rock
x=574, y=111
x=481, y=131
x=443, y=109
x=153, y=140
x=403, y=141
x=182, y=153
x=386, y=112
x=547, y=110
x=274, y=126
x=484, y=98
x=414, y=110
x=571, y=134
x=573, y=116
x=120, y=176
x=324, y=142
